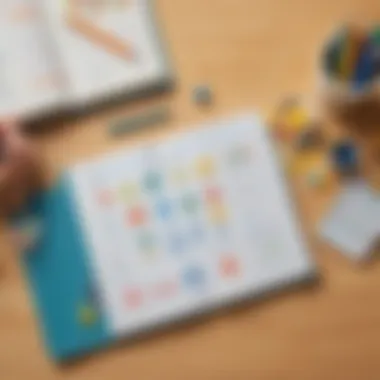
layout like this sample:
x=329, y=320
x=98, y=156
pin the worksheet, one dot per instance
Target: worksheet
x=197, y=221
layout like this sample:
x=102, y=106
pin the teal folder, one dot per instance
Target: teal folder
x=59, y=278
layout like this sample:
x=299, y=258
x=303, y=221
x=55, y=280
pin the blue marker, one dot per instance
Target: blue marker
x=375, y=42
x=332, y=53
x=365, y=68
x=331, y=58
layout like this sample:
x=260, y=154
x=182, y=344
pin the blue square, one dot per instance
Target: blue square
x=194, y=277
x=164, y=209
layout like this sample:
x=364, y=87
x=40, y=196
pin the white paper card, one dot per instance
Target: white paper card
x=353, y=225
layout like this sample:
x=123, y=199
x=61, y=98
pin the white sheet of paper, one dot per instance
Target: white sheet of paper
x=353, y=225
x=91, y=70
x=47, y=64
x=216, y=215
x=30, y=76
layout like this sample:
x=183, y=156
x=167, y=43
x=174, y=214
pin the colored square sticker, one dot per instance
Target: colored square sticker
x=229, y=266
x=218, y=213
x=190, y=203
x=105, y=197
x=137, y=216
x=129, y=192
x=164, y=209
x=205, y=167
x=194, y=277
x=134, y=298
x=153, y=181
x=213, y=195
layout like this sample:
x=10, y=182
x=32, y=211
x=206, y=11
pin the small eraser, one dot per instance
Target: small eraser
x=202, y=95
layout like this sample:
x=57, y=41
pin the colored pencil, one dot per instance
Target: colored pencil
x=352, y=45
x=99, y=36
x=365, y=70
x=375, y=41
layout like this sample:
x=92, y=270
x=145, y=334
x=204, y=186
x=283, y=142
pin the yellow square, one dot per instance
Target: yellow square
x=205, y=167
x=129, y=192
x=218, y=213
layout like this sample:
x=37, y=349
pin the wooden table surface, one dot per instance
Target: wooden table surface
x=252, y=52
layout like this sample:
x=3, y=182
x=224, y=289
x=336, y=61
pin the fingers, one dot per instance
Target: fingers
x=8, y=125
x=9, y=137
x=18, y=166
x=4, y=167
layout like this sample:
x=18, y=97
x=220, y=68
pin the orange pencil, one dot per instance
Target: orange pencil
x=99, y=36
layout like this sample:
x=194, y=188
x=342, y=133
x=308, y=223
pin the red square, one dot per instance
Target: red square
x=229, y=267
x=105, y=198
x=136, y=216
x=213, y=195
x=134, y=298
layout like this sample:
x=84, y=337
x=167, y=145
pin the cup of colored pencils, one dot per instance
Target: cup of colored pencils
x=350, y=66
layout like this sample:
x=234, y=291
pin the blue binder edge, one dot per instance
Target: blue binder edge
x=59, y=276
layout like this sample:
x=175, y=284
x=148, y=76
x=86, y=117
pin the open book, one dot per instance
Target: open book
x=64, y=54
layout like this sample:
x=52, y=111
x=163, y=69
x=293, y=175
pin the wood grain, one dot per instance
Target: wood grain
x=251, y=52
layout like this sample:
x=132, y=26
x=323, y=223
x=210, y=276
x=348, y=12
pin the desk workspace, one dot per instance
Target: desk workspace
x=238, y=164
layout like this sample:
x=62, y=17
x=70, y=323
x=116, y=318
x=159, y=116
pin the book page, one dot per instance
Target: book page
x=106, y=46
x=30, y=76
x=192, y=223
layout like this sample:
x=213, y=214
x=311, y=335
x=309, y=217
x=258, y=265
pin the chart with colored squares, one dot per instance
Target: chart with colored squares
x=189, y=224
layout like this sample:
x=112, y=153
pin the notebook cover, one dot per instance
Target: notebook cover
x=59, y=278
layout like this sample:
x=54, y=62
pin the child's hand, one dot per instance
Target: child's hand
x=20, y=169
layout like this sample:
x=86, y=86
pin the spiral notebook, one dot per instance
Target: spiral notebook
x=66, y=54
x=141, y=239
